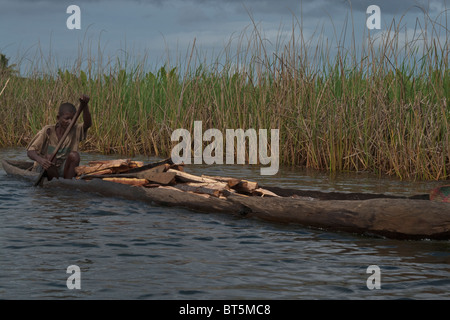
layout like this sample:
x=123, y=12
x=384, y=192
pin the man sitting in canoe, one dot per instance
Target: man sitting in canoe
x=46, y=140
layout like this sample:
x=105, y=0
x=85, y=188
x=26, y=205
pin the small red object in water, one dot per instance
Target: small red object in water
x=440, y=194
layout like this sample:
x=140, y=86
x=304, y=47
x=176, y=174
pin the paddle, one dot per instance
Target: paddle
x=61, y=141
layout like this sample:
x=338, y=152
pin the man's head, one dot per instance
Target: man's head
x=65, y=114
x=66, y=108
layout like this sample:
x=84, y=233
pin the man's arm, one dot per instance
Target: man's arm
x=44, y=162
x=87, y=119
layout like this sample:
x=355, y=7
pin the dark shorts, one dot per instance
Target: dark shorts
x=60, y=166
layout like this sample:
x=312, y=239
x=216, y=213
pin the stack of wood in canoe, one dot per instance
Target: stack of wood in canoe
x=108, y=167
x=166, y=174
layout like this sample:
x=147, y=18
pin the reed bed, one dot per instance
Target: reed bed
x=381, y=108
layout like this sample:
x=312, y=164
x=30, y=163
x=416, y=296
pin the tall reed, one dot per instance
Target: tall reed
x=382, y=108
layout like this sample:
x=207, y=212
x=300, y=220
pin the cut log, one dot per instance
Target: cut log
x=155, y=177
x=202, y=190
x=152, y=185
x=187, y=177
x=246, y=186
x=159, y=177
x=87, y=169
x=101, y=172
x=179, y=167
x=116, y=166
x=214, y=189
x=204, y=195
x=263, y=193
x=116, y=163
x=170, y=188
x=222, y=187
x=151, y=165
x=158, y=169
x=241, y=195
x=156, y=174
x=231, y=181
x=128, y=181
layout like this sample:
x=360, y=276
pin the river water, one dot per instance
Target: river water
x=132, y=250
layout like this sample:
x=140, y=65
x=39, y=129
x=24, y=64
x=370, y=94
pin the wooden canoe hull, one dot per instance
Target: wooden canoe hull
x=388, y=216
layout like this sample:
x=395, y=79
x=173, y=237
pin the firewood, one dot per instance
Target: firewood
x=151, y=165
x=121, y=169
x=231, y=181
x=116, y=166
x=86, y=169
x=158, y=169
x=202, y=188
x=246, y=186
x=169, y=188
x=263, y=192
x=135, y=164
x=204, y=195
x=116, y=163
x=152, y=185
x=185, y=187
x=179, y=167
x=129, y=181
x=159, y=177
x=154, y=177
x=101, y=172
x=211, y=185
x=222, y=187
x=187, y=177
x=235, y=183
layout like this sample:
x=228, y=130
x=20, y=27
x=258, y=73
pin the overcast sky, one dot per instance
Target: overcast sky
x=155, y=27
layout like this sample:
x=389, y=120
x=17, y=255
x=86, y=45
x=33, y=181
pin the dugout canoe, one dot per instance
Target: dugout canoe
x=369, y=214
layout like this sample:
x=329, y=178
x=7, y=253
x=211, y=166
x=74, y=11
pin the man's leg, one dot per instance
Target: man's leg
x=51, y=173
x=72, y=161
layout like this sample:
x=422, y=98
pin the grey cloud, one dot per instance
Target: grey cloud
x=387, y=6
x=397, y=6
x=313, y=7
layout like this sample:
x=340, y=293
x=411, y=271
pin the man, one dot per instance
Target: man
x=44, y=143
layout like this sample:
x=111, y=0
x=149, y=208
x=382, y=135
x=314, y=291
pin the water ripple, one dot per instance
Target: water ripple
x=131, y=250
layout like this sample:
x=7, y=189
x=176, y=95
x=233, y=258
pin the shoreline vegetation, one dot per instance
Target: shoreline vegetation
x=383, y=110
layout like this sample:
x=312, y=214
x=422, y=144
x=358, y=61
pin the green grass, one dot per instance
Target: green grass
x=385, y=112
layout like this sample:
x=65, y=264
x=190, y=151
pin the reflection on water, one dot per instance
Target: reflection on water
x=128, y=249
